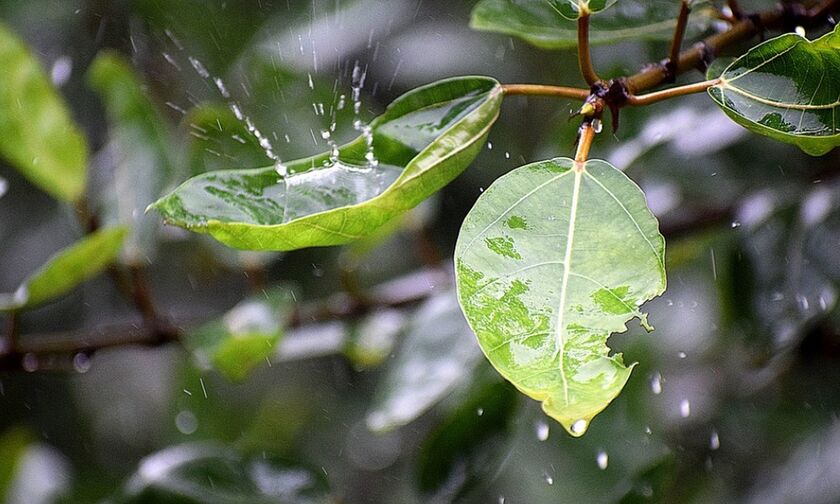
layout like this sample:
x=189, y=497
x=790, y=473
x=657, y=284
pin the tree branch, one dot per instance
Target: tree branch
x=542, y=90
x=584, y=53
x=666, y=94
x=676, y=42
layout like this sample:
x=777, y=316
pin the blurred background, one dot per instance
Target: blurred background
x=734, y=398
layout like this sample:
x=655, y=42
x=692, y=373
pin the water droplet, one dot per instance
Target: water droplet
x=30, y=363
x=656, y=383
x=685, y=408
x=647, y=430
x=714, y=441
x=199, y=68
x=507, y=155
x=61, y=70
x=800, y=30
x=735, y=224
x=501, y=499
x=603, y=459
x=597, y=125
x=542, y=430
x=81, y=362
x=548, y=479
x=220, y=85
x=186, y=422
x=681, y=355
x=281, y=169
x=489, y=145
x=480, y=411
x=579, y=427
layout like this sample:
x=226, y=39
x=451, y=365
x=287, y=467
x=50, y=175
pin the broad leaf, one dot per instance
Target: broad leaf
x=39, y=137
x=138, y=152
x=204, y=473
x=542, y=24
x=67, y=269
x=550, y=262
x=422, y=141
x=787, y=88
x=245, y=337
x=438, y=354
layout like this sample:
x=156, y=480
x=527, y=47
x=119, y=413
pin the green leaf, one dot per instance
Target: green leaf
x=13, y=445
x=438, y=354
x=139, y=152
x=549, y=263
x=787, y=88
x=205, y=473
x=38, y=135
x=67, y=269
x=542, y=24
x=245, y=337
x=422, y=141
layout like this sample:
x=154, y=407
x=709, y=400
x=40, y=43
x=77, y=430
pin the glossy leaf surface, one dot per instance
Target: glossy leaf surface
x=423, y=140
x=138, y=153
x=550, y=262
x=543, y=24
x=39, y=137
x=67, y=269
x=438, y=354
x=245, y=337
x=205, y=473
x=787, y=88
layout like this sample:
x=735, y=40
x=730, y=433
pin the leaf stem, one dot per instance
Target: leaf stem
x=541, y=90
x=584, y=53
x=585, y=138
x=676, y=42
x=666, y=94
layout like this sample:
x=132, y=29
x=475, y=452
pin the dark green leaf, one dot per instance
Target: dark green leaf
x=245, y=337
x=38, y=135
x=67, y=269
x=554, y=258
x=787, y=88
x=214, y=474
x=540, y=23
x=138, y=152
x=438, y=354
x=422, y=141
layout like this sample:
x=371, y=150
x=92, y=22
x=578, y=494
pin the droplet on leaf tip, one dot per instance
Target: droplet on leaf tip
x=579, y=427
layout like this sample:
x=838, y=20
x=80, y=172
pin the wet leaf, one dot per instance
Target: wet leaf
x=214, y=474
x=138, y=152
x=550, y=262
x=39, y=137
x=786, y=88
x=545, y=25
x=438, y=354
x=423, y=140
x=245, y=337
x=67, y=269
x=464, y=448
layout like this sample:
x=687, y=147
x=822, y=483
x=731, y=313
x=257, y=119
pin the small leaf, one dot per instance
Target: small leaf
x=438, y=354
x=138, y=153
x=543, y=24
x=582, y=253
x=67, y=269
x=422, y=141
x=38, y=135
x=787, y=88
x=205, y=473
x=245, y=337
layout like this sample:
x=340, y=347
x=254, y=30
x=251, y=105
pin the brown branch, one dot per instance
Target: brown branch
x=676, y=42
x=585, y=138
x=584, y=53
x=542, y=90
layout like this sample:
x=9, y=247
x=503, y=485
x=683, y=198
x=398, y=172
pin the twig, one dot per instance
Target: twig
x=585, y=138
x=542, y=90
x=665, y=94
x=584, y=53
x=676, y=42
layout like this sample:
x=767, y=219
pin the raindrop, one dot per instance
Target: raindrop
x=281, y=169
x=656, y=383
x=501, y=499
x=220, y=85
x=489, y=145
x=800, y=30
x=647, y=430
x=186, y=422
x=542, y=430
x=61, y=70
x=597, y=125
x=81, y=362
x=685, y=408
x=579, y=427
x=603, y=459
x=480, y=411
x=548, y=479
x=507, y=155
x=681, y=355
x=199, y=68
x=714, y=440
x=735, y=224
x=30, y=363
